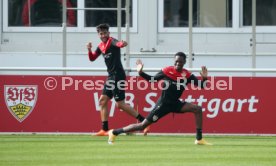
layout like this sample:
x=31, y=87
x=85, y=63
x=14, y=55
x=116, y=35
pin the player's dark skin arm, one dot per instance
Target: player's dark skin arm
x=160, y=75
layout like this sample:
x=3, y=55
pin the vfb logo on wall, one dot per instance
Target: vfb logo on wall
x=20, y=100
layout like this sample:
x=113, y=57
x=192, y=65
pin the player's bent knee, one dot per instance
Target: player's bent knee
x=198, y=109
x=119, y=105
x=103, y=101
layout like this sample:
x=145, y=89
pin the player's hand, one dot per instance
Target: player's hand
x=89, y=46
x=204, y=72
x=139, y=66
x=124, y=43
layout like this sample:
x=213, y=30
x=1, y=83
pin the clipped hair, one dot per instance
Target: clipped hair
x=181, y=54
x=102, y=27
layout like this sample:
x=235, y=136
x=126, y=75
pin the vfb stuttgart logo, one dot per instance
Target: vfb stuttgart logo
x=20, y=100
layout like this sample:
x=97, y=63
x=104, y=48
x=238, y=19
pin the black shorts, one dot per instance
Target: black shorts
x=113, y=87
x=161, y=109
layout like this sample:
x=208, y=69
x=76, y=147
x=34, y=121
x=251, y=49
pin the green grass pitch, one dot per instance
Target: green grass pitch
x=136, y=150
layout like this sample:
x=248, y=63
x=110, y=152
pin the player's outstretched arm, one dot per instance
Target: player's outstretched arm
x=139, y=67
x=120, y=44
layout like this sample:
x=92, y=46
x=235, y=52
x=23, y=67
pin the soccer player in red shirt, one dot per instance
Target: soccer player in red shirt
x=110, y=48
x=175, y=79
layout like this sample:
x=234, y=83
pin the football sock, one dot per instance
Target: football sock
x=105, y=125
x=140, y=118
x=198, y=134
x=118, y=131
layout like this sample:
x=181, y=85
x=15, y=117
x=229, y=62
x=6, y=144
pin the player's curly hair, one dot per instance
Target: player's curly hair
x=181, y=54
x=102, y=27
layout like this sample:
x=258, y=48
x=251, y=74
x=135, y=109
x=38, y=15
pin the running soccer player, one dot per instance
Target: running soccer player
x=175, y=79
x=110, y=49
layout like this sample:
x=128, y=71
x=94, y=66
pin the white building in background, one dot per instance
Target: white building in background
x=31, y=32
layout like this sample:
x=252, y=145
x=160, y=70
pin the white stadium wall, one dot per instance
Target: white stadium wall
x=228, y=48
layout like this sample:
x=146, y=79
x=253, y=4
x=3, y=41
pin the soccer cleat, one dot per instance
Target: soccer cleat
x=111, y=137
x=202, y=142
x=102, y=133
x=146, y=130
